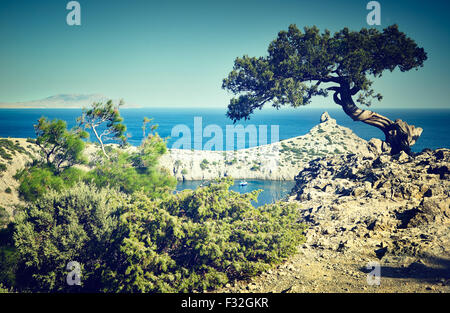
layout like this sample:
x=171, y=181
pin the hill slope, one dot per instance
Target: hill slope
x=391, y=210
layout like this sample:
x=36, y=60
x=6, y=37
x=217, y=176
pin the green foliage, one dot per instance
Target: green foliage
x=106, y=123
x=76, y=224
x=204, y=164
x=8, y=257
x=3, y=289
x=232, y=162
x=3, y=167
x=8, y=266
x=198, y=240
x=60, y=148
x=299, y=63
x=195, y=240
x=8, y=190
x=146, y=121
x=9, y=148
x=4, y=218
x=37, y=180
x=184, y=171
x=130, y=172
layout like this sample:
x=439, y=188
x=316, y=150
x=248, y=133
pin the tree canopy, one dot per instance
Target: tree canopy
x=105, y=122
x=300, y=65
x=59, y=147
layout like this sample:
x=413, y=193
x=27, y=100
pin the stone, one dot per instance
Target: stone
x=402, y=157
x=324, y=117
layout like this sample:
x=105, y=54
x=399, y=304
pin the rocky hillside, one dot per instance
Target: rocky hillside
x=14, y=155
x=394, y=210
x=277, y=161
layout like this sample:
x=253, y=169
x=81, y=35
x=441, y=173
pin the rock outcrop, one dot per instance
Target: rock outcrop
x=386, y=206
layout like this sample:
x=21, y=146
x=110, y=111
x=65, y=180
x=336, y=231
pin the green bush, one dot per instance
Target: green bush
x=8, y=190
x=39, y=179
x=184, y=171
x=8, y=266
x=4, y=218
x=7, y=145
x=232, y=162
x=3, y=167
x=204, y=164
x=195, y=240
x=199, y=240
x=76, y=224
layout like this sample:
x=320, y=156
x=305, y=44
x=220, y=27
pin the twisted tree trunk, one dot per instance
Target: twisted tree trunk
x=399, y=135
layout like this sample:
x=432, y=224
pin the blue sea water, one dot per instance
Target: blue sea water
x=271, y=190
x=292, y=123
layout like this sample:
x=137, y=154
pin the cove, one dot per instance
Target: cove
x=271, y=190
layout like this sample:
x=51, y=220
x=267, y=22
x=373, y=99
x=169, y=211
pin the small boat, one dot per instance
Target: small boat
x=243, y=183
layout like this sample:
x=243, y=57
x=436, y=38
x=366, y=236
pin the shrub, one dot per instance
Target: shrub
x=194, y=240
x=3, y=289
x=204, y=164
x=8, y=190
x=7, y=145
x=184, y=171
x=39, y=179
x=198, y=240
x=4, y=218
x=232, y=162
x=76, y=224
x=8, y=267
x=3, y=167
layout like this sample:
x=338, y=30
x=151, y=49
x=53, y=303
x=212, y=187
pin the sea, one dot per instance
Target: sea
x=206, y=123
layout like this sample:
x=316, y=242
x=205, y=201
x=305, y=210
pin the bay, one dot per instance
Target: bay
x=271, y=190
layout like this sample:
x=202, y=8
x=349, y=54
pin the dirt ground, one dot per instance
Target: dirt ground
x=315, y=270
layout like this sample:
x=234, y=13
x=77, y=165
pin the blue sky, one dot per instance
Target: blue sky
x=176, y=53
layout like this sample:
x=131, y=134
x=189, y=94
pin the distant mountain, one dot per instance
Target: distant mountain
x=65, y=101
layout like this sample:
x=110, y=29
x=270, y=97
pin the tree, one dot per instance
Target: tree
x=145, y=121
x=134, y=171
x=59, y=147
x=301, y=65
x=105, y=121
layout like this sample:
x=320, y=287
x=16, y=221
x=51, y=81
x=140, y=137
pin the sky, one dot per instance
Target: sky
x=176, y=53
